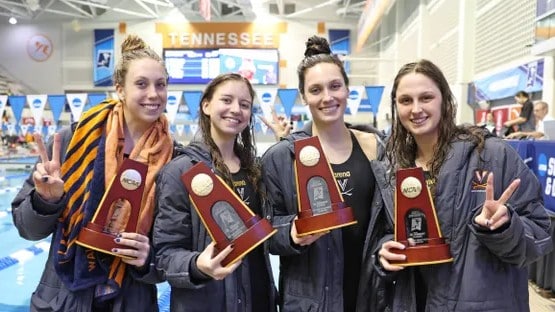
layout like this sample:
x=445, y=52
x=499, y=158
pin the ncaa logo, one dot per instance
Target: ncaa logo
x=36, y=103
x=353, y=95
x=266, y=97
x=172, y=100
x=542, y=164
x=77, y=102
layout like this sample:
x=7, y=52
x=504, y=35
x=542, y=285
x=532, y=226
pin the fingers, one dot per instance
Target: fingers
x=264, y=120
x=211, y=265
x=386, y=255
x=489, y=187
x=56, y=146
x=509, y=191
x=500, y=217
x=138, y=251
x=41, y=147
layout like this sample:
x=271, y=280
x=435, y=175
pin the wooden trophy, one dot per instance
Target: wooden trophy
x=416, y=224
x=125, y=192
x=321, y=206
x=226, y=217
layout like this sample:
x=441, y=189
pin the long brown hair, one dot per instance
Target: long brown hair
x=244, y=146
x=401, y=146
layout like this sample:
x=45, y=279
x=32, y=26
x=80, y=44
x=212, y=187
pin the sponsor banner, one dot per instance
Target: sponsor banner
x=76, y=103
x=267, y=98
x=340, y=45
x=527, y=77
x=174, y=99
x=288, y=98
x=221, y=35
x=57, y=103
x=36, y=104
x=374, y=95
x=355, y=96
x=103, y=57
x=17, y=103
x=96, y=98
x=192, y=99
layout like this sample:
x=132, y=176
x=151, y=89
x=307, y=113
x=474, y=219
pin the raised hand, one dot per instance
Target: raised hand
x=210, y=264
x=279, y=125
x=494, y=212
x=47, y=178
x=139, y=248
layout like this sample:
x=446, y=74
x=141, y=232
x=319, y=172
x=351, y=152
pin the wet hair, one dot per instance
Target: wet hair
x=134, y=48
x=401, y=147
x=244, y=146
x=318, y=51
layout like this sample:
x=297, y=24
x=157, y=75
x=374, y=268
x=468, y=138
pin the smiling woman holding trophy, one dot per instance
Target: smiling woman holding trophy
x=487, y=206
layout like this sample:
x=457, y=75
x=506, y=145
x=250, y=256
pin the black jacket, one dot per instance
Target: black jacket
x=311, y=277
x=179, y=236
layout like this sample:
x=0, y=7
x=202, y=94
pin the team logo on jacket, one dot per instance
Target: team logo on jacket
x=480, y=180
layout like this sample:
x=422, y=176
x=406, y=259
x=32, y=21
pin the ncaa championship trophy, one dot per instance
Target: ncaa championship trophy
x=321, y=206
x=225, y=216
x=416, y=224
x=125, y=190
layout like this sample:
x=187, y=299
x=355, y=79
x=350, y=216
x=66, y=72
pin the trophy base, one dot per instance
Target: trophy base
x=244, y=243
x=436, y=251
x=94, y=238
x=325, y=222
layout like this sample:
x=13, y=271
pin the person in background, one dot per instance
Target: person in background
x=489, y=204
x=541, y=109
x=63, y=192
x=184, y=251
x=525, y=121
x=329, y=271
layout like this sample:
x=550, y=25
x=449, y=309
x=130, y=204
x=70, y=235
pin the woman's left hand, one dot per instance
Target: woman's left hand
x=494, y=212
x=139, y=250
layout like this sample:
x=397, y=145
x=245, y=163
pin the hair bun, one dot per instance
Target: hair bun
x=316, y=45
x=131, y=43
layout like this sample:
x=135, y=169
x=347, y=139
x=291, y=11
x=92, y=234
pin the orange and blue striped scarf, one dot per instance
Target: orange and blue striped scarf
x=93, y=158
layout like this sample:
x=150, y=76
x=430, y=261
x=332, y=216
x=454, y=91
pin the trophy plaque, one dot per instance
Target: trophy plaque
x=416, y=224
x=122, y=199
x=321, y=206
x=226, y=217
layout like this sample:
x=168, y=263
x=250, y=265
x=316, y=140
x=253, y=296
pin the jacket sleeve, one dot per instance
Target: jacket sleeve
x=282, y=198
x=526, y=237
x=34, y=217
x=173, y=229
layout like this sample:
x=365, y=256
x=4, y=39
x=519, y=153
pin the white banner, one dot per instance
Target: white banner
x=174, y=99
x=180, y=128
x=194, y=128
x=11, y=129
x=267, y=98
x=76, y=103
x=52, y=130
x=24, y=129
x=355, y=96
x=36, y=102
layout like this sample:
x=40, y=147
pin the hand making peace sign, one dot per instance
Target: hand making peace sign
x=48, y=182
x=494, y=212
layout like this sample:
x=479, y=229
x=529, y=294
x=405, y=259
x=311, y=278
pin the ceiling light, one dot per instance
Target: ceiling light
x=12, y=20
